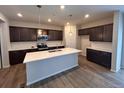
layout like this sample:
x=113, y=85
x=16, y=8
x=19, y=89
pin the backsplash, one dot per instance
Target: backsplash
x=86, y=43
x=28, y=45
x=101, y=45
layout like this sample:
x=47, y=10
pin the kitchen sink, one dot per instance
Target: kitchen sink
x=55, y=50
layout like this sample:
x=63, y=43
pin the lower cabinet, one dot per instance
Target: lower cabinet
x=99, y=57
x=17, y=56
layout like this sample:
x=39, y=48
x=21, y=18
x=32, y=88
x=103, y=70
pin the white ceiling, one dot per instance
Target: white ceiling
x=59, y=17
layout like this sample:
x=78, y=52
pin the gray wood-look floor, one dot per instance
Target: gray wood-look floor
x=87, y=75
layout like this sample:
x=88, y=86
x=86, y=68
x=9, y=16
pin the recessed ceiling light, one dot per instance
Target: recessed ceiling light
x=19, y=15
x=67, y=23
x=49, y=20
x=87, y=16
x=62, y=7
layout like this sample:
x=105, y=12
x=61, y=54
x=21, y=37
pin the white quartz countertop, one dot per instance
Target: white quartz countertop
x=24, y=48
x=101, y=49
x=41, y=55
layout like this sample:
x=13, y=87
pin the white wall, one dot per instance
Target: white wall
x=107, y=46
x=122, y=64
x=34, y=25
x=4, y=40
x=27, y=45
x=70, y=39
x=97, y=45
x=97, y=22
x=85, y=42
x=117, y=41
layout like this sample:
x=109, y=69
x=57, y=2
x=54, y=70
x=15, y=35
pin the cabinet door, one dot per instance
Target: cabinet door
x=18, y=34
x=84, y=31
x=99, y=57
x=96, y=33
x=108, y=32
x=92, y=55
x=24, y=34
x=106, y=59
x=32, y=34
x=51, y=35
x=54, y=35
x=16, y=57
x=58, y=35
x=14, y=34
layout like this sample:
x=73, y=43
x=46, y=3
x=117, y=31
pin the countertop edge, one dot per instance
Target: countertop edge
x=77, y=51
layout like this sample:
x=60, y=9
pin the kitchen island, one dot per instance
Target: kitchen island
x=43, y=64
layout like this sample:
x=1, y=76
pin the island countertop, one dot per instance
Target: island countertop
x=41, y=55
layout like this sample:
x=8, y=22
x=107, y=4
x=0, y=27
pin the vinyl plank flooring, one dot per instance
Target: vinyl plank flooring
x=15, y=76
x=87, y=75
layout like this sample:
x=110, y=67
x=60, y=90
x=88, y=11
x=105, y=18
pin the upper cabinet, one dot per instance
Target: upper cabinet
x=54, y=35
x=108, y=32
x=14, y=34
x=84, y=31
x=23, y=34
x=99, y=33
x=96, y=33
x=28, y=34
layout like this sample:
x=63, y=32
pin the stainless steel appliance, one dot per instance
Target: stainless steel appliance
x=41, y=42
x=42, y=46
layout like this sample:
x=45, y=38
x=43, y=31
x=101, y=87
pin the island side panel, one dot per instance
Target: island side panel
x=40, y=70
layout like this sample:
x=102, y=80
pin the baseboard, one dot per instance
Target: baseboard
x=115, y=71
x=82, y=55
x=7, y=66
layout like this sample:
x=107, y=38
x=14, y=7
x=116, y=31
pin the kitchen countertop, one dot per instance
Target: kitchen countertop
x=101, y=49
x=13, y=49
x=37, y=56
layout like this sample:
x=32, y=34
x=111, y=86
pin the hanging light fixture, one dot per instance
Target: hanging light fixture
x=70, y=32
x=39, y=19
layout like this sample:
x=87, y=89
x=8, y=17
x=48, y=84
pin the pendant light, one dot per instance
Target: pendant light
x=39, y=19
x=70, y=32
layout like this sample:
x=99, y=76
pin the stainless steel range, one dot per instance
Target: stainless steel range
x=42, y=46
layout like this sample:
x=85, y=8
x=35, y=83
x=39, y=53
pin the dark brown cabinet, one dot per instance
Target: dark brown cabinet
x=23, y=34
x=51, y=35
x=33, y=35
x=108, y=32
x=85, y=31
x=54, y=35
x=99, y=57
x=59, y=35
x=28, y=34
x=96, y=33
x=16, y=57
x=100, y=33
x=14, y=34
